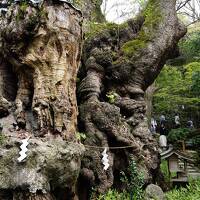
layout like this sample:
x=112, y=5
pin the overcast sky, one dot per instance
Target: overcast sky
x=116, y=9
x=120, y=10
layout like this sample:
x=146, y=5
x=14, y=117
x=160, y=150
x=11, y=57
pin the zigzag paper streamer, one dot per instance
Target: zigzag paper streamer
x=105, y=160
x=23, y=151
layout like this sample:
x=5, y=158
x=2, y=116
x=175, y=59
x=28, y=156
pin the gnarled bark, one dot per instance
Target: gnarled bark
x=40, y=52
x=44, y=50
x=119, y=64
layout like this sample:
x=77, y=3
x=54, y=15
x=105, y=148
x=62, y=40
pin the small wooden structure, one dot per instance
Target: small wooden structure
x=180, y=165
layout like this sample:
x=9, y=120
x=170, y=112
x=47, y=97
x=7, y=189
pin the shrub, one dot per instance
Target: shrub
x=164, y=169
x=114, y=195
x=134, y=182
x=191, y=192
x=178, y=134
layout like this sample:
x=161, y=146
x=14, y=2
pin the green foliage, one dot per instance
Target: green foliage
x=178, y=134
x=191, y=192
x=178, y=86
x=81, y=136
x=195, y=139
x=190, y=47
x=195, y=86
x=114, y=195
x=190, y=69
x=22, y=10
x=164, y=169
x=111, y=97
x=191, y=135
x=165, y=172
x=23, y=6
x=33, y=18
x=134, y=182
x=192, y=77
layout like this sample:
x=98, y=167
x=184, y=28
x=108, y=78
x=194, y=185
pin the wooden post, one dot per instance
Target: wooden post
x=169, y=170
x=183, y=145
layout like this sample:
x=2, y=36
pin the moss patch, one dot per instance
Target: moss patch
x=98, y=28
x=96, y=14
x=22, y=11
x=153, y=16
x=2, y=138
x=132, y=46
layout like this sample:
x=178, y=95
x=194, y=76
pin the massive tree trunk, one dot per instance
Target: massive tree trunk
x=40, y=53
x=119, y=63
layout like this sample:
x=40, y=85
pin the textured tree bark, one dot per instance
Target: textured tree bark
x=40, y=53
x=91, y=10
x=149, y=100
x=28, y=196
x=119, y=64
x=44, y=49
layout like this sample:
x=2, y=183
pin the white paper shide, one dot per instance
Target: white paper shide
x=24, y=149
x=105, y=160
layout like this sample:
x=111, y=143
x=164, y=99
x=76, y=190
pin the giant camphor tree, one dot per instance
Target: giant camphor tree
x=40, y=55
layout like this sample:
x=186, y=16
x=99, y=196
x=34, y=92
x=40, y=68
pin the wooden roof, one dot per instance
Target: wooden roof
x=179, y=154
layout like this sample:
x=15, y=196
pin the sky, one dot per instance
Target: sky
x=116, y=10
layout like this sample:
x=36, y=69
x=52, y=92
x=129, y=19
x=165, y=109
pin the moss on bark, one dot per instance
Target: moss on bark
x=152, y=15
x=91, y=9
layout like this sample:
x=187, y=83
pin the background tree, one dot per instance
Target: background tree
x=40, y=50
x=178, y=83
